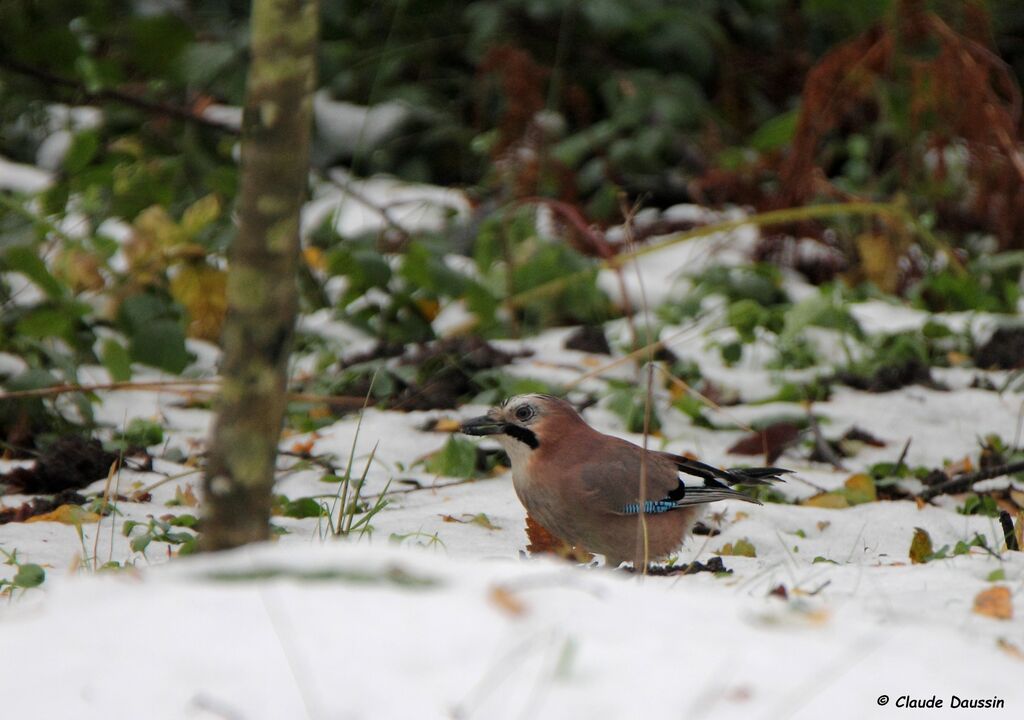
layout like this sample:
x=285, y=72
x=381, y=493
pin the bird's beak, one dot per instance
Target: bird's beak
x=482, y=425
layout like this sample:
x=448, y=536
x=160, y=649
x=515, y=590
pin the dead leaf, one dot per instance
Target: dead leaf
x=831, y=500
x=823, y=525
x=1008, y=647
x=543, y=542
x=771, y=441
x=996, y=602
x=860, y=489
x=506, y=601
x=449, y=425
x=959, y=467
x=480, y=519
x=1017, y=496
x=921, y=546
x=314, y=258
x=68, y=515
x=202, y=289
x=186, y=497
x=742, y=548
x=879, y=260
x=304, y=447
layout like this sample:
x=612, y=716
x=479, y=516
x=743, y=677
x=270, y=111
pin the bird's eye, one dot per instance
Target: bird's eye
x=524, y=413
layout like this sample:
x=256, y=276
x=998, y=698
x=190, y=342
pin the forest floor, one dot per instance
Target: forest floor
x=823, y=608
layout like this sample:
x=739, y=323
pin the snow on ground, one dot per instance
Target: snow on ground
x=438, y=613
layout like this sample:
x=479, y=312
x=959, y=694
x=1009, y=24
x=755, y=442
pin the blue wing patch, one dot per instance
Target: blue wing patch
x=650, y=507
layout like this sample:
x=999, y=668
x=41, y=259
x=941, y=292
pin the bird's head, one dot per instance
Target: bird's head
x=522, y=423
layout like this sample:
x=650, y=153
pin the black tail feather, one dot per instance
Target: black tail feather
x=758, y=476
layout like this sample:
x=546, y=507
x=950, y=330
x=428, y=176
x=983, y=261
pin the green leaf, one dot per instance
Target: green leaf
x=775, y=133
x=306, y=507
x=141, y=432
x=921, y=547
x=996, y=575
x=456, y=459
x=160, y=344
x=82, y=151
x=186, y=520
x=26, y=261
x=140, y=543
x=46, y=322
x=742, y=547
x=821, y=311
x=29, y=575
x=116, y=360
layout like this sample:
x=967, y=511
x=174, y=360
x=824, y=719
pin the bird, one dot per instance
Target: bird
x=586, y=487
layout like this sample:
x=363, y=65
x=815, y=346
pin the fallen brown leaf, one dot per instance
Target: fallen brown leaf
x=1009, y=648
x=506, y=601
x=771, y=441
x=67, y=514
x=543, y=542
x=996, y=602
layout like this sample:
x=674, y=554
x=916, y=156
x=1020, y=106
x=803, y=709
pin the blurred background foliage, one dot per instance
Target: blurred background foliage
x=588, y=107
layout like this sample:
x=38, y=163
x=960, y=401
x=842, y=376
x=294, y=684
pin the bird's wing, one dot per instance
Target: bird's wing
x=612, y=483
x=731, y=476
x=611, y=480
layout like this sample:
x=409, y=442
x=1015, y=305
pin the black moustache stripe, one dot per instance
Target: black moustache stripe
x=527, y=437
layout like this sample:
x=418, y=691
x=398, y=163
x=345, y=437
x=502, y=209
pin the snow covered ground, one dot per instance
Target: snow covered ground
x=438, y=613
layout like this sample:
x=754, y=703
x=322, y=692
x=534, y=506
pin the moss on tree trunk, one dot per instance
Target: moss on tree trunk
x=261, y=290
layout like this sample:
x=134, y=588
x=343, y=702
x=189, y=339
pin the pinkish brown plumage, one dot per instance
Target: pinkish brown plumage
x=586, y=487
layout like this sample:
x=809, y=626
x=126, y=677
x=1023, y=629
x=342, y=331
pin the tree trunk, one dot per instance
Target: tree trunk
x=262, y=296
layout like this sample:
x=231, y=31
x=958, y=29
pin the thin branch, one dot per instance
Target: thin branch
x=965, y=480
x=85, y=95
x=181, y=387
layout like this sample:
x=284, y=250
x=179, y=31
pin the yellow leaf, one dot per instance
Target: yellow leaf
x=79, y=269
x=203, y=291
x=833, y=500
x=921, y=546
x=959, y=467
x=128, y=145
x=428, y=308
x=879, y=259
x=446, y=425
x=1009, y=648
x=742, y=548
x=996, y=602
x=199, y=214
x=67, y=514
x=315, y=258
x=860, y=489
x=506, y=601
x=155, y=224
x=186, y=497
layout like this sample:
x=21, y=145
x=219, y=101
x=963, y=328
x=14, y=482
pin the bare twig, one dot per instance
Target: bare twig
x=84, y=95
x=821, y=444
x=1006, y=523
x=965, y=480
x=903, y=456
x=181, y=387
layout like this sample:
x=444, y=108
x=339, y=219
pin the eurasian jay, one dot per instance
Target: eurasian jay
x=585, y=486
